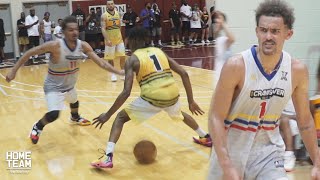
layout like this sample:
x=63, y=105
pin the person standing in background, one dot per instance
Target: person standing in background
x=45, y=30
x=195, y=24
x=156, y=30
x=92, y=29
x=2, y=40
x=213, y=17
x=185, y=11
x=32, y=24
x=205, y=26
x=147, y=17
x=100, y=39
x=81, y=17
x=175, y=20
x=130, y=18
x=23, y=40
x=58, y=30
x=111, y=30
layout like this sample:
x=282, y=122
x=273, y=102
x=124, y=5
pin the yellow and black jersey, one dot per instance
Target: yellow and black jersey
x=155, y=78
x=113, y=27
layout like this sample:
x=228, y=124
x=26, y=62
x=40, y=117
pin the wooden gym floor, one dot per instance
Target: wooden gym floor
x=64, y=151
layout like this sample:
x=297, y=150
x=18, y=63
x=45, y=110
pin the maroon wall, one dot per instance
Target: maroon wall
x=138, y=5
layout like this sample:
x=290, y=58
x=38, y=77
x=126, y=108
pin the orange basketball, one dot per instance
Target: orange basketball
x=145, y=152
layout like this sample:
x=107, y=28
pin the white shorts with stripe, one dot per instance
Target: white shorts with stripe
x=140, y=110
x=111, y=52
x=55, y=100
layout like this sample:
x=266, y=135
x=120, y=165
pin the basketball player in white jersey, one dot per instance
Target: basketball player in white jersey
x=59, y=86
x=245, y=108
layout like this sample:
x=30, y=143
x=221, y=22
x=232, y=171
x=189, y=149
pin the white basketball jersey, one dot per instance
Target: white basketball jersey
x=63, y=75
x=252, y=126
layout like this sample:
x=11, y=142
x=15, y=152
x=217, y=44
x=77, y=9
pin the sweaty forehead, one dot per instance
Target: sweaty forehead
x=271, y=22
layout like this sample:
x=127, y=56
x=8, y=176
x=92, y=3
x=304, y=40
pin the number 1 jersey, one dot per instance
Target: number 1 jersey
x=155, y=78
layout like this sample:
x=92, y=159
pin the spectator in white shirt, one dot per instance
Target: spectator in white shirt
x=32, y=24
x=58, y=31
x=185, y=12
x=45, y=30
x=195, y=23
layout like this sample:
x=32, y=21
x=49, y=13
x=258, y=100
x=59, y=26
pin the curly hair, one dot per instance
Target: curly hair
x=276, y=8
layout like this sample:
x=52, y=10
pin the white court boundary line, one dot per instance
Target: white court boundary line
x=41, y=92
x=3, y=91
x=81, y=90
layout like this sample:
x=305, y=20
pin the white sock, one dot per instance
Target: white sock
x=159, y=41
x=201, y=132
x=289, y=153
x=110, y=147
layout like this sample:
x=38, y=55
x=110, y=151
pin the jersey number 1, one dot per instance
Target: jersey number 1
x=263, y=109
x=156, y=62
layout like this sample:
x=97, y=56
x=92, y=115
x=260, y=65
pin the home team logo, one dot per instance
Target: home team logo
x=19, y=162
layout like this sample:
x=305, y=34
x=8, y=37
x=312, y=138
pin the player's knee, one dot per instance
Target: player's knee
x=122, y=116
x=74, y=105
x=52, y=116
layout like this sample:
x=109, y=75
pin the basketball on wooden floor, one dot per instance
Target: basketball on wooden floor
x=145, y=152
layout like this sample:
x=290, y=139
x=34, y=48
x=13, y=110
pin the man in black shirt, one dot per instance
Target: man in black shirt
x=156, y=30
x=2, y=40
x=175, y=20
x=80, y=16
x=129, y=18
x=23, y=39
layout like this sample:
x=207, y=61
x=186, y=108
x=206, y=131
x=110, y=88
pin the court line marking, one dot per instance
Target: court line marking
x=83, y=90
x=200, y=57
x=41, y=92
x=168, y=136
x=3, y=91
x=176, y=140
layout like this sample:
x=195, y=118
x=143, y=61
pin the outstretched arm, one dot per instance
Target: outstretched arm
x=193, y=106
x=123, y=96
x=96, y=59
x=46, y=47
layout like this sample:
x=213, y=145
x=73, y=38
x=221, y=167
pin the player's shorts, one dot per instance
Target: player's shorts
x=140, y=110
x=23, y=40
x=55, y=100
x=156, y=31
x=110, y=52
x=289, y=109
x=260, y=166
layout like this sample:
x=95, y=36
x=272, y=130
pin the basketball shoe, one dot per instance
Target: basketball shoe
x=35, y=134
x=104, y=161
x=81, y=121
x=289, y=161
x=205, y=141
